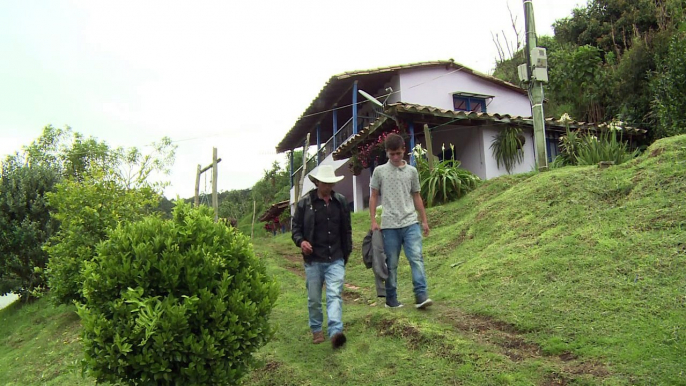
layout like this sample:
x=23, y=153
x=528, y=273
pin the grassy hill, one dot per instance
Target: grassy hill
x=576, y=276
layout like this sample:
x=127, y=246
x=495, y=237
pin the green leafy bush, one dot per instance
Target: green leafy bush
x=25, y=224
x=87, y=210
x=445, y=182
x=182, y=301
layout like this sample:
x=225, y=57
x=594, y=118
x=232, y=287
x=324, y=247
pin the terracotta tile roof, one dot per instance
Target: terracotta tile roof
x=395, y=109
x=340, y=85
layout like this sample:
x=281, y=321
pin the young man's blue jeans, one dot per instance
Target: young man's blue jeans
x=334, y=275
x=410, y=239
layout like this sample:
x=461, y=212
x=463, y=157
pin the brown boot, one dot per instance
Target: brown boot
x=317, y=337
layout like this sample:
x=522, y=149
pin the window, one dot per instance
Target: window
x=468, y=103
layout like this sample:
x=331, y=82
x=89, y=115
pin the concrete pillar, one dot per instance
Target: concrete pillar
x=358, y=196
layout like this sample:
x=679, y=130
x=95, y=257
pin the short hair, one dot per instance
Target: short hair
x=394, y=142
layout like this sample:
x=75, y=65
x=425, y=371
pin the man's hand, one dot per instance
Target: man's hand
x=425, y=227
x=306, y=248
x=375, y=226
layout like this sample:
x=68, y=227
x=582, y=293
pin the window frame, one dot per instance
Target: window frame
x=469, y=102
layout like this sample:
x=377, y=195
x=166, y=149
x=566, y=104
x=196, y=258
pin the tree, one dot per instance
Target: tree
x=88, y=210
x=93, y=201
x=669, y=91
x=25, y=224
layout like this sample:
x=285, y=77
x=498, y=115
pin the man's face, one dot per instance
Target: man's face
x=324, y=188
x=396, y=156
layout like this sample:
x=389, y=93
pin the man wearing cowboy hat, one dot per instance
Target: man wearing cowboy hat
x=321, y=228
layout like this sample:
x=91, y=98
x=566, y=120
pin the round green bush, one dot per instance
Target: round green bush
x=175, y=302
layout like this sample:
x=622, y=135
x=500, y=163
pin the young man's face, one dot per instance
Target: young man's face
x=396, y=156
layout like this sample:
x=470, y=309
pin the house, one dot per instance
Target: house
x=460, y=106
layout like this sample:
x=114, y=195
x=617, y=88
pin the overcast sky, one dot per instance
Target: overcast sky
x=234, y=75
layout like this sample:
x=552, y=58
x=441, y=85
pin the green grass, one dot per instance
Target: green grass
x=576, y=276
x=39, y=345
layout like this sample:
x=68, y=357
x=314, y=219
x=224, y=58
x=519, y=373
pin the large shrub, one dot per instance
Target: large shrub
x=87, y=210
x=182, y=301
x=25, y=224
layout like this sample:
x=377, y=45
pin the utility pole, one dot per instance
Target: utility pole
x=215, y=198
x=536, y=74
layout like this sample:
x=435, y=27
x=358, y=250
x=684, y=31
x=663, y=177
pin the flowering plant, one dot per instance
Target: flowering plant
x=375, y=151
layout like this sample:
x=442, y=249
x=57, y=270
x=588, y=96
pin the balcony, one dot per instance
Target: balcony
x=342, y=135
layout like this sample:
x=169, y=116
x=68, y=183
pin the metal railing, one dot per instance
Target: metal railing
x=345, y=132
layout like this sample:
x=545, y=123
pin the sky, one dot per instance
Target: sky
x=225, y=74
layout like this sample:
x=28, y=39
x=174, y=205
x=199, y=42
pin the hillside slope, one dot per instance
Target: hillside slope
x=576, y=276
x=573, y=276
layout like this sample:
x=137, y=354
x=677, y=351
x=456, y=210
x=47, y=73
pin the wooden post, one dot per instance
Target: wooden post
x=215, y=199
x=252, y=229
x=429, y=146
x=200, y=171
x=197, y=187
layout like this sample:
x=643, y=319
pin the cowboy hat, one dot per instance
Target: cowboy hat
x=325, y=174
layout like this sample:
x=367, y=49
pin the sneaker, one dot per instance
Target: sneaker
x=423, y=302
x=338, y=340
x=393, y=303
x=317, y=337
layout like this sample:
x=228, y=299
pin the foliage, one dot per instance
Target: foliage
x=92, y=202
x=507, y=147
x=609, y=60
x=608, y=146
x=577, y=148
x=445, y=182
x=669, y=91
x=175, y=302
x=373, y=152
x=25, y=224
x=87, y=210
x=235, y=203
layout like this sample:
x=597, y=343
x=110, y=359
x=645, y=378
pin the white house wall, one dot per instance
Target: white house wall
x=468, y=146
x=434, y=86
x=492, y=170
x=354, y=188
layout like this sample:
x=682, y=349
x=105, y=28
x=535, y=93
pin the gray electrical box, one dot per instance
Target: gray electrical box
x=539, y=59
x=521, y=71
x=540, y=74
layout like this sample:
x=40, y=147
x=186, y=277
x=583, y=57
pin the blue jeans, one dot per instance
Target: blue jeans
x=334, y=275
x=410, y=239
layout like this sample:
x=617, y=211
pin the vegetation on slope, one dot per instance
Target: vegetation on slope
x=572, y=276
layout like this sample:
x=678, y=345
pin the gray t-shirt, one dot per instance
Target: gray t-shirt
x=396, y=185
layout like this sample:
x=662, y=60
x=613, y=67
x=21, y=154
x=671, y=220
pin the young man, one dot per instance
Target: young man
x=321, y=228
x=398, y=184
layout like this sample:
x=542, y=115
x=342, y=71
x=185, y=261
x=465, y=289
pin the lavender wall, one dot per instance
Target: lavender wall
x=424, y=87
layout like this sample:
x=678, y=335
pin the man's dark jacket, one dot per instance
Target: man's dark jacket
x=302, y=225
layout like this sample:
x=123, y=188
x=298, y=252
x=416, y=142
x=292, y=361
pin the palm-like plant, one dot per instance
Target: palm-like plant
x=507, y=148
x=445, y=182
